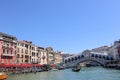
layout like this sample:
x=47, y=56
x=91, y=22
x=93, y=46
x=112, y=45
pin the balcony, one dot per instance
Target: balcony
x=6, y=47
x=4, y=54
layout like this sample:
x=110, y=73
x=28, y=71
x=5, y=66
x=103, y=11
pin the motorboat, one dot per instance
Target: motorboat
x=3, y=76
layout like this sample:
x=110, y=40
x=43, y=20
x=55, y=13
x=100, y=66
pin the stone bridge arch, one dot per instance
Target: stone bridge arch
x=93, y=60
x=101, y=59
x=70, y=62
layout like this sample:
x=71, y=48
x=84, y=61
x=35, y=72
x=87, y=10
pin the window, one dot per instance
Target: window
x=18, y=49
x=7, y=51
x=37, y=54
x=26, y=51
x=18, y=55
x=15, y=52
x=22, y=45
x=15, y=46
x=26, y=46
x=22, y=56
x=11, y=51
x=32, y=60
x=32, y=53
x=22, y=50
x=3, y=50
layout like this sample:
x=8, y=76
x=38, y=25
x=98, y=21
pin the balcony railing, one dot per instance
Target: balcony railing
x=7, y=47
x=5, y=54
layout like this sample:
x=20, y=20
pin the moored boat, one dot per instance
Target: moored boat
x=55, y=69
x=3, y=76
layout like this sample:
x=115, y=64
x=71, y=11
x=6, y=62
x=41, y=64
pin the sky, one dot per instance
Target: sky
x=70, y=26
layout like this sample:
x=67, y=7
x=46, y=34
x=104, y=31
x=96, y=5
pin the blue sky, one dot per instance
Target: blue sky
x=68, y=25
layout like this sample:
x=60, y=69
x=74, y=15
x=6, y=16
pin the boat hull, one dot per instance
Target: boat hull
x=3, y=76
x=76, y=70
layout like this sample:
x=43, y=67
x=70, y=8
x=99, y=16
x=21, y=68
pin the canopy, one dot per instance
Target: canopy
x=38, y=65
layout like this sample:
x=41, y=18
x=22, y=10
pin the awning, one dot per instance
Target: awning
x=52, y=65
x=38, y=65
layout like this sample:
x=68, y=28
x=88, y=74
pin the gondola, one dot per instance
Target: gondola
x=76, y=68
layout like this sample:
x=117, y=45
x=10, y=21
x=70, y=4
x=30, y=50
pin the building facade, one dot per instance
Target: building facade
x=58, y=58
x=114, y=50
x=13, y=51
x=42, y=55
x=50, y=55
x=34, y=54
x=8, y=47
x=24, y=52
x=102, y=49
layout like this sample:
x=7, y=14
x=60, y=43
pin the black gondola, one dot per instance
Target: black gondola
x=76, y=68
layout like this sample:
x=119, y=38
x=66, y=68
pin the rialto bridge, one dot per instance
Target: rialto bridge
x=102, y=59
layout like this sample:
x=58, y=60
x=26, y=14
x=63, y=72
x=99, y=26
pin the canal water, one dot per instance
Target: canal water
x=90, y=73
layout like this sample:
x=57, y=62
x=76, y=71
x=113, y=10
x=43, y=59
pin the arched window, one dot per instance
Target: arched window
x=65, y=61
x=72, y=59
x=96, y=56
x=82, y=56
x=69, y=60
x=11, y=51
x=103, y=57
x=75, y=58
x=3, y=50
x=111, y=58
x=99, y=56
x=107, y=58
x=92, y=55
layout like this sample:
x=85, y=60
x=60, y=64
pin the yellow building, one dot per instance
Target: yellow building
x=24, y=51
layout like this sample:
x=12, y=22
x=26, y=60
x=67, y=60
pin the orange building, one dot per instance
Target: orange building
x=8, y=46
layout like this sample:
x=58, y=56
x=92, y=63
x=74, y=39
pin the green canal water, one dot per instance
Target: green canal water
x=91, y=73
